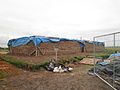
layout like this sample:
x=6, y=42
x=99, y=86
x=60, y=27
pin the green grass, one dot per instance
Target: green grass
x=3, y=49
x=111, y=50
x=71, y=60
x=35, y=67
x=107, y=52
x=22, y=64
x=102, y=55
x=3, y=74
x=16, y=62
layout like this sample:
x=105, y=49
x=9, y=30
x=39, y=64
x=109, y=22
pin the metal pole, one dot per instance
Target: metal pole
x=107, y=34
x=114, y=45
x=94, y=53
x=114, y=62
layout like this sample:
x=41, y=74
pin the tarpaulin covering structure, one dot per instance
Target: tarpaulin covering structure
x=114, y=55
x=37, y=40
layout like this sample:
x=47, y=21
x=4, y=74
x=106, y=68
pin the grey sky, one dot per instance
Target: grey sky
x=61, y=18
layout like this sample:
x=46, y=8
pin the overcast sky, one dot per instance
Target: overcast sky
x=61, y=18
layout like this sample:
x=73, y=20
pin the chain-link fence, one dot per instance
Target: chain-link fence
x=107, y=61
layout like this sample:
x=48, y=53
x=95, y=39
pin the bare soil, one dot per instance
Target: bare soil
x=9, y=69
x=44, y=80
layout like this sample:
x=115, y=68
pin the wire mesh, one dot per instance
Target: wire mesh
x=107, y=62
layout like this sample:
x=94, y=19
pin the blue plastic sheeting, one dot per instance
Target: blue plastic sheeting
x=24, y=40
x=114, y=55
x=64, y=39
x=54, y=39
x=37, y=40
x=103, y=63
x=98, y=43
x=82, y=45
x=18, y=42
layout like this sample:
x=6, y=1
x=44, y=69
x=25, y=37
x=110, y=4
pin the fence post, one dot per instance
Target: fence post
x=36, y=51
x=94, y=52
x=56, y=53
x=113, y=60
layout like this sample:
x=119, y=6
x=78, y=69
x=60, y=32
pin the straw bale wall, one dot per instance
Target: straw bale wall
x=64, y=48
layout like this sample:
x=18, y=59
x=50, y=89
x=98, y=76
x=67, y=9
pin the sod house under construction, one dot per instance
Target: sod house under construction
x=40, y=45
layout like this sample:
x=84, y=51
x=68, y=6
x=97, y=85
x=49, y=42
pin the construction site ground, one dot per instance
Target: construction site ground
x=45, y=80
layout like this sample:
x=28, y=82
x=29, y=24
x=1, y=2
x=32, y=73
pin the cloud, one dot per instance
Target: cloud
x=64, y=18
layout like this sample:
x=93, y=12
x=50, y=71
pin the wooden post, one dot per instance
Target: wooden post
x=36, y=52
x=56, y=53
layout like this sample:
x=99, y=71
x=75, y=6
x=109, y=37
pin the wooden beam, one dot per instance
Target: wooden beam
x=32, y=52
x=43, y=53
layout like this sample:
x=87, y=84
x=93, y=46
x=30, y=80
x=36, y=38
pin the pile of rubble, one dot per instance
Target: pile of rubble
x=57, y=67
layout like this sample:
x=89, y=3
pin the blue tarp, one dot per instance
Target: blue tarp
x=37, y=40
x=103, y=63
x=98, y=43
x=18, y=42
x=82, y=45
x=114, y=55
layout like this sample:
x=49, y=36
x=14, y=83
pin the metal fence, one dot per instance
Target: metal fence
x=107, y=62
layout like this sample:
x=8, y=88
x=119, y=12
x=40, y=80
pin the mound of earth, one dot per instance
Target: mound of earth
x=8, y=68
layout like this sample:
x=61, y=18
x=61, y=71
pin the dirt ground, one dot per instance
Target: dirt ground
x=9, y=69
x=44, y=80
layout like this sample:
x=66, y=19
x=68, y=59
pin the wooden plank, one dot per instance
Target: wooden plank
x=43, y=53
